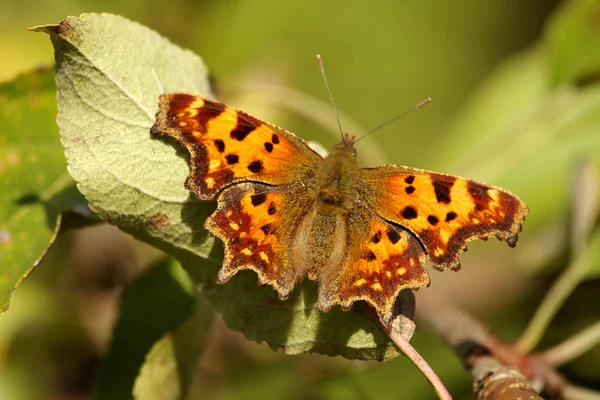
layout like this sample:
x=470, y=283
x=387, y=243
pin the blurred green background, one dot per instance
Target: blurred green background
x=381, y=57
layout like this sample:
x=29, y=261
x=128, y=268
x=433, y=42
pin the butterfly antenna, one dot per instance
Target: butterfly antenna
x=419, y=105
x=320, y=61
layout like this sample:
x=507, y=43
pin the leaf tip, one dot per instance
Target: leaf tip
x=50, y=29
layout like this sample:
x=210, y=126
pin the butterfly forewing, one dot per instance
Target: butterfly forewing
x=227, y=145
x=444, y=212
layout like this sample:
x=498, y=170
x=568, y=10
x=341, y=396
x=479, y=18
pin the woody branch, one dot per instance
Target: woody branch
x=478, y=349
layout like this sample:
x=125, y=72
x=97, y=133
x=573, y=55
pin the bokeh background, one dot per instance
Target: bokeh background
x=381, y=58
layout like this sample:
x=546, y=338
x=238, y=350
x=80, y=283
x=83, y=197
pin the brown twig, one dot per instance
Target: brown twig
x=494, y=381
x=483, y=355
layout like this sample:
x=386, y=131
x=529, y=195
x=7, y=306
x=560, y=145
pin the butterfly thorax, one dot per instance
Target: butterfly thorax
x=335, y=183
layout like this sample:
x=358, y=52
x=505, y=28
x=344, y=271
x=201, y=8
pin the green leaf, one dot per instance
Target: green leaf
x=296, y=325
x=168, y=371
x=34, y=186
x=108, y=92
x=155, y=303
x=159, y=379
x=573, y=43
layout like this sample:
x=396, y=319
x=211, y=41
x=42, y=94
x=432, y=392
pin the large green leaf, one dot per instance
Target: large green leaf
x=297, y=324
x=110, y=72
x=34, y=186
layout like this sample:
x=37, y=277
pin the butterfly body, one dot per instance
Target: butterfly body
x=285, y=212
x=337, y=178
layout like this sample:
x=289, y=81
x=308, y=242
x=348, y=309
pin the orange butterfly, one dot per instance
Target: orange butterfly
x=284, y=211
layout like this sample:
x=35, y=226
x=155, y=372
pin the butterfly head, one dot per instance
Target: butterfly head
x=346, y=146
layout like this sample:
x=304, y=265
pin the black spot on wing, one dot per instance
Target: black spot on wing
x=451, y=216
x=393, y=236
x=220, y=145
x=409, y=212
x=232, y=159
x=371, y=256
x=256, y=166
x=433, y=220
x=376, y=237
x=258, y=199
x=442, y=188
x=244, y=126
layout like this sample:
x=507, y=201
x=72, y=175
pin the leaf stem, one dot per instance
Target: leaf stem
x=420, y=363
x=573, y=392
x=552, y=301
x=583, y=215
x=574, y=346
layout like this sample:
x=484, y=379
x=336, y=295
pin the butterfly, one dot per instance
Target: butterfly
x=286, y=212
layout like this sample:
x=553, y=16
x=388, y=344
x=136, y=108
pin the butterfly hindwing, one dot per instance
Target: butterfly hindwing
x=227, y=145
x=381, y=260
x=258, y=224
x=444, y=212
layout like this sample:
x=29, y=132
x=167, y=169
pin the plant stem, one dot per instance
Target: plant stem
x=553, y=300
x=574, y=346
x=573, y=392
x=420, y=363
x=476, y=347
x=584, y=211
